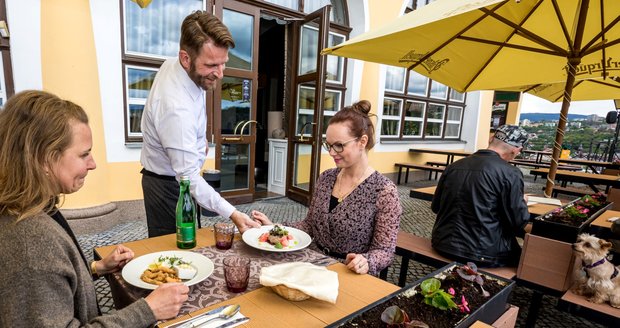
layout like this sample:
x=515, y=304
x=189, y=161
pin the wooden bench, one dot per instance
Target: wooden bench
x=425, y=193
x=409, y=166
x=412, y=247
x=431, y=163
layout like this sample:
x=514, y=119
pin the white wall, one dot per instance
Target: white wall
x=107, y=29
x=24, y=19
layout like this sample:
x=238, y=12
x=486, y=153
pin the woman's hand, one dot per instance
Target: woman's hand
x=357, y=263
x=261, y=217
x=115, y=260
x=166, y=300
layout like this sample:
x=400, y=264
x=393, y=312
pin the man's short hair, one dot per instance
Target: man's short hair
x=200, y=27
x=513, y=135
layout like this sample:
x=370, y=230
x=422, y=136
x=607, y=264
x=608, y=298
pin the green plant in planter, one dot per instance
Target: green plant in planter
x=395, y=317
x=435, y=296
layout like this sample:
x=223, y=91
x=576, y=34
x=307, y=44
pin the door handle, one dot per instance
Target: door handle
x=303, y=127
x=232, y=138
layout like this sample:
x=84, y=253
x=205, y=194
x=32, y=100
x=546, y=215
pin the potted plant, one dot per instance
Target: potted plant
x=566, y=222
x=453, y=296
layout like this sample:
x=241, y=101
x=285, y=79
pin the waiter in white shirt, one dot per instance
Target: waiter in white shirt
x=174, y=123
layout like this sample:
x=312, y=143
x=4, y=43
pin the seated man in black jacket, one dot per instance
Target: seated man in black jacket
x=480, y=204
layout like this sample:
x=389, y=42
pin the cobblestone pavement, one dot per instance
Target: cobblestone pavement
x=417, y=218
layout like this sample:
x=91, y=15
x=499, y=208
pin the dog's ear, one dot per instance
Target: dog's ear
x=604, y=244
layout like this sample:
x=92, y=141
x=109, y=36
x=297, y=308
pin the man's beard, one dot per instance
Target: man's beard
x=201, y=81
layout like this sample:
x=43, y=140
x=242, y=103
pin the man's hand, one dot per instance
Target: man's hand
x=243, y=221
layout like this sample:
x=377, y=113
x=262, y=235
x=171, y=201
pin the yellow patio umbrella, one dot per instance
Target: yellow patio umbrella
x=499, y=44
x=590, y=89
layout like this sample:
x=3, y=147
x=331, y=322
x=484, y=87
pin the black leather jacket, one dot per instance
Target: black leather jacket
x=480, y=209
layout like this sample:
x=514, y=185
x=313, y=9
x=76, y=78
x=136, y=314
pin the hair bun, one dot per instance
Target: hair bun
x=362, y=106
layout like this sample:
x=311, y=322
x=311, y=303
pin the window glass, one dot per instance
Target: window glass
x=391, y=107
x=3, y=95
x=139, y=82
x=390, y=127
x=236, y=103
x=308, y=51
x=305, y=109
x=433, y=129
x=415, y=109
x=336, y=14
x=395, y=79
x=418, y=84
x=435, y=111
x=413, y=128
x=457, y=96
x=335, y=64
x=156, y=29
x=390, y=122
x=438, y=90
x=241, y=28
x=454, y=113
x=452, y=130
x=330, y=106
x=291, y=4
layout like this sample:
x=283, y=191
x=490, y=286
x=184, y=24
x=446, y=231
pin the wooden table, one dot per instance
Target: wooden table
x=267, y=309
x=449, y=153
x=427, y=193
x=593, y=165
x=537, y=153
x=590, y=179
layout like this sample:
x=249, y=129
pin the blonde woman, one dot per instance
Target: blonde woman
x=45, y=151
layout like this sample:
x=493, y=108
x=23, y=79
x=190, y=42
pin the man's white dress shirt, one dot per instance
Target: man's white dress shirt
x=173, y=128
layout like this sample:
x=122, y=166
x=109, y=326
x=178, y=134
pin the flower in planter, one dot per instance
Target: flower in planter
x=470, y=272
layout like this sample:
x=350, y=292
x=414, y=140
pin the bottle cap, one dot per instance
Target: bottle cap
x=184, y=178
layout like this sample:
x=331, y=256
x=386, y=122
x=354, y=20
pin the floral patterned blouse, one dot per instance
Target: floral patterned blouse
x=366, y=222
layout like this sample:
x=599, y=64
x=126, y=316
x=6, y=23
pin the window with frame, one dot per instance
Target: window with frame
x=415, y=107
x=150, y=36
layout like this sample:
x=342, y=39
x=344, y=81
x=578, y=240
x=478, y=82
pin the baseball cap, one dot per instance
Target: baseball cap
x=513, y=135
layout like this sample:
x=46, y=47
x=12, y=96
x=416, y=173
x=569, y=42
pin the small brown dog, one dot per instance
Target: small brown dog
x=596, y=278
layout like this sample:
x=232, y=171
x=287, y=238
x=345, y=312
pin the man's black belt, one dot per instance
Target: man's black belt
x=158, y=176
x=327, y=252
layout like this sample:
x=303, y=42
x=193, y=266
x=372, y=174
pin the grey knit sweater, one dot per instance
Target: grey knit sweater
x=44, y=281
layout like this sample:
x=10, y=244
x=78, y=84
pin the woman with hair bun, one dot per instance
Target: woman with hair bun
x=355, y=211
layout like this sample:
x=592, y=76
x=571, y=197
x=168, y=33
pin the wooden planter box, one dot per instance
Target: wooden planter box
x=541, y=226
x=489, y=312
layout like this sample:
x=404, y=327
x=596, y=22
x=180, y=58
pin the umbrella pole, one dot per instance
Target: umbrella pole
x=559, y=134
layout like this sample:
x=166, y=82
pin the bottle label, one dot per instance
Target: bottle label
x=186, y=234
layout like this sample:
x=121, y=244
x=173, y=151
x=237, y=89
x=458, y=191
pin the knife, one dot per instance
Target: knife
x=230, y=323
x=189, y=322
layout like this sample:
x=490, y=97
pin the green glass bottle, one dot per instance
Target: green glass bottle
x=186, y=216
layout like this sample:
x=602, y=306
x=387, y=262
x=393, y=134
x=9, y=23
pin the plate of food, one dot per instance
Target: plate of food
x=276, y=238
x=151, y=270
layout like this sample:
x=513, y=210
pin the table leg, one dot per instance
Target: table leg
x=400, y=171
x=404, y=267
x=532, y=313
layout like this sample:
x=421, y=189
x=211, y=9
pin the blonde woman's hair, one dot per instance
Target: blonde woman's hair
x=35, y=129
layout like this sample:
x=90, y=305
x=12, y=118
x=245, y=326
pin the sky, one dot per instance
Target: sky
x=533, y=104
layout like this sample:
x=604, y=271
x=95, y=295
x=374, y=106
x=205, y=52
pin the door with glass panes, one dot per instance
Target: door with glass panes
x=233, y=109
x=304, y=152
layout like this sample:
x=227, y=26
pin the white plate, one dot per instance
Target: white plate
x=250, y=237
x=134, y=269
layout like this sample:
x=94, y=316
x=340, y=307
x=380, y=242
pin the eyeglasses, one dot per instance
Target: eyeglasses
x=338, y=147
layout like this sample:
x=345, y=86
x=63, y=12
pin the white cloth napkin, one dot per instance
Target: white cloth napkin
x=311, y=279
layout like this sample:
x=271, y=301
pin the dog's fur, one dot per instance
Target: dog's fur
x=595, y=283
